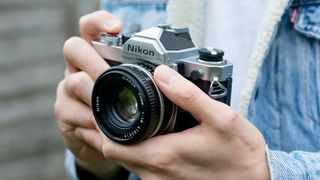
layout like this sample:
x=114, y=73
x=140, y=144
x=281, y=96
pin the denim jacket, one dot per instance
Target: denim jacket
x=284, y=103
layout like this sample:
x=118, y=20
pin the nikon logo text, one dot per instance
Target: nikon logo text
x=139, y=50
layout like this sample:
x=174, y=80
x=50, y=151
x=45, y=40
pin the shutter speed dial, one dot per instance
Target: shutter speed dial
x=211, y=54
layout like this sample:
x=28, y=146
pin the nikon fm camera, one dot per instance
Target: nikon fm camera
x=127, y=104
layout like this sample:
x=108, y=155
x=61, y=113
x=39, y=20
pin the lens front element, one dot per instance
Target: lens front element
x=126, y=105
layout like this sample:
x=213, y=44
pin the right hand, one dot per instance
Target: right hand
x=73, y=103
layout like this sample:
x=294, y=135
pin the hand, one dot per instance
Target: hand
x=73, y=103
x=224, y=145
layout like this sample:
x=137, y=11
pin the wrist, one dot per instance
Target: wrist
x=254, y=166
x=261, y=168
x=262, y=171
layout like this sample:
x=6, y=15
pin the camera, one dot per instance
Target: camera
x=127, y=104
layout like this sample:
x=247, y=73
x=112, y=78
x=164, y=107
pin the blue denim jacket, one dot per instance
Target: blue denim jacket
x=285, y=105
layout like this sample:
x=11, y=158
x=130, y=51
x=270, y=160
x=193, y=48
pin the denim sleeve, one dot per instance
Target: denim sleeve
x=293, y=165
x=137, y=15
x=69, y=165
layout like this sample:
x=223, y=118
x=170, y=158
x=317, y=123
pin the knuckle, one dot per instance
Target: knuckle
x=60, y=113
x=60, y=88
x=107, y=150
x=227, y=125
x=234, y=116
x=163, y=161
x=74, y=83
x=91, y=118
x=70, y=43
x=58, y=109
x=188, y=94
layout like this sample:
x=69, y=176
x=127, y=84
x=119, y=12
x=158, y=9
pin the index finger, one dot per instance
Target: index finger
x=79, y=55
x=91, y=25
x=191, y=98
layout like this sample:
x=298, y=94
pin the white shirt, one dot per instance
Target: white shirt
x=232, y=25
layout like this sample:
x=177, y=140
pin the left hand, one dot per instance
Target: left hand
x=224, y=145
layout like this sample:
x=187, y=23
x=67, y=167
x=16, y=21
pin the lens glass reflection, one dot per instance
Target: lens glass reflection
x=126, y=105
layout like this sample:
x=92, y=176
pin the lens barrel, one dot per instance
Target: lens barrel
x=127, y=104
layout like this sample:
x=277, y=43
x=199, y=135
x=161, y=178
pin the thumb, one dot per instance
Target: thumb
x=91, y=25
x=190, y=98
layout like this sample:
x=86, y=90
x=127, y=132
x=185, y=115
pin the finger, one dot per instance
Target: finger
x=152, y=150
x=79, y=55
x=90, y=136
x=91, y=25
x=79, y=85
x=190, y=98
x=72, y=112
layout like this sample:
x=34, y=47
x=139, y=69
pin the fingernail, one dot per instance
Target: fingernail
x=165, y=74
x=111, y=23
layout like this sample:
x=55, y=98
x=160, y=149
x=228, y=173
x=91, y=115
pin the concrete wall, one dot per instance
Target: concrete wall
x=32, y=33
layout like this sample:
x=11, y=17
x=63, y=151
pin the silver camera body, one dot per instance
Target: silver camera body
x=126, y=102
x=150, y=45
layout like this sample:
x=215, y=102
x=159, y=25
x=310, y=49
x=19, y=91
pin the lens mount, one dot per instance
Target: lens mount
x=127, y=104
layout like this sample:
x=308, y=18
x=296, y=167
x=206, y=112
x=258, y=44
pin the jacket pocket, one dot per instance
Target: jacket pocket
x=307, y=20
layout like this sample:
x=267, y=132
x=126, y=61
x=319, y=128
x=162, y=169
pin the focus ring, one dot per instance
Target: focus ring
x=150, y=92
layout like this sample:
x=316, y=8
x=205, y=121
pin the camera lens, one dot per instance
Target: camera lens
x=128, y=106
